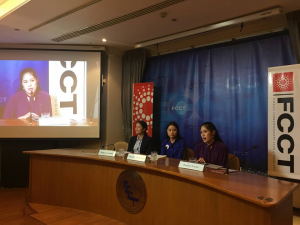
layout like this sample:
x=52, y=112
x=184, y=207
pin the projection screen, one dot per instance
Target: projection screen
x=49, y=94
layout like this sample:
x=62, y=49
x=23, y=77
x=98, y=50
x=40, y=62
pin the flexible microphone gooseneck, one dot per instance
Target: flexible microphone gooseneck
x=108, y=145
x=227, y=167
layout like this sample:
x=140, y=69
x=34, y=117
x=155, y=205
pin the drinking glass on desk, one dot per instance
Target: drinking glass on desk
x=153, y=155
x=121, y=152
x=192, y=160
x=167, y=162
x=45, y=115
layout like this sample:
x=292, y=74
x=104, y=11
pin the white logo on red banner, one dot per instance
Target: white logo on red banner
x=143, y=105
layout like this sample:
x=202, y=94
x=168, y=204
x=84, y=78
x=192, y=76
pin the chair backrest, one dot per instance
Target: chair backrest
x=234, y=163
x=121, y=144
x=189, y=153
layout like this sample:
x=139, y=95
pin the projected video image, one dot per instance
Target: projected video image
x=47, y=93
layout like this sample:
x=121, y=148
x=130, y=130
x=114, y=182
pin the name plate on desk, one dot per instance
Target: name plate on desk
x=136, y=157
x=191, y=166
x=108, y=153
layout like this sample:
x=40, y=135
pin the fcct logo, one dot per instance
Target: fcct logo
x=283, y=82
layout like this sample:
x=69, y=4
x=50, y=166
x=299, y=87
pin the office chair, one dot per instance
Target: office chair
x=121, y=144
x=234, y=163
x=188, y=153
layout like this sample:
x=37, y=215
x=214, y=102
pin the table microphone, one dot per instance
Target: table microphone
x=227, y=167
x=108, y=145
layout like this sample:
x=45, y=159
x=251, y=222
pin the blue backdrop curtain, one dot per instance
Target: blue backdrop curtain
x=226, y=85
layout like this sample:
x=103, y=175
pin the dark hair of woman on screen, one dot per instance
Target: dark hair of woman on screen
x=141, y=143
x=173, y=146
x=212, y=149
x=30, y=100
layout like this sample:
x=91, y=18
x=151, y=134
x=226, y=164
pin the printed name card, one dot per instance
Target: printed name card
x=108, y=153
x=191, y=166
x=136, y=157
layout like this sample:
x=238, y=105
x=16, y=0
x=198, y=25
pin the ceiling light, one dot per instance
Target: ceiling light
x=104, y=40
x=8, y=6
x=2, y=1
x=243, y=19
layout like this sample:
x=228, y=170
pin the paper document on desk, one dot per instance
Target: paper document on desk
x=231, y=170
x=54, y=121
x=212, y=166
x=159, y=156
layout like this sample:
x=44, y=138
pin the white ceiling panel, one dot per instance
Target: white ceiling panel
x=188, y=14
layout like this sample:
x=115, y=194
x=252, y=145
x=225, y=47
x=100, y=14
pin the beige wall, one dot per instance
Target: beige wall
x=111, y=111
x=114, y=126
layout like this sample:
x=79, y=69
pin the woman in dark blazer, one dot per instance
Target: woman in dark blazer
x=141, y=143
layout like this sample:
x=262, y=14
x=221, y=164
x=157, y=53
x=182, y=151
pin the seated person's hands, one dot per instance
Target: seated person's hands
x=201, y=160
x=35, y=117
x=24, y=117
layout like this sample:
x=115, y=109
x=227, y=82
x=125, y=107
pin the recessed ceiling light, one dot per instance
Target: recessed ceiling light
x=8, y=6
x=104, y=40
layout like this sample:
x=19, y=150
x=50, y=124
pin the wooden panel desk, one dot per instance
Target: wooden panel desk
x=81, y=180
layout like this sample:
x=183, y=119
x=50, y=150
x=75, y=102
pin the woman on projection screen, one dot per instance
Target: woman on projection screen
x=29, y=100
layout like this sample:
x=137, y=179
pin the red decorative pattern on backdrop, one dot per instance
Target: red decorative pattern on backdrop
x=142, y=108
x=283, y=82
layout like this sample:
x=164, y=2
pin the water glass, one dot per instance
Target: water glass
x=121, y=152
x=153, y=155
x=45, y=115
x=192, y=160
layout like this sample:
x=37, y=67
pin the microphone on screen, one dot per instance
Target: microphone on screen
x=30, y=101
x=227, y=167
x=108, y=145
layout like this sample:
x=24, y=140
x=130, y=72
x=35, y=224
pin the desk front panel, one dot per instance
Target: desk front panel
x=171, y=199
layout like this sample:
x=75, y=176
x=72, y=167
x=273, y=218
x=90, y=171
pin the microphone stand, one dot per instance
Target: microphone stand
x=227, y=167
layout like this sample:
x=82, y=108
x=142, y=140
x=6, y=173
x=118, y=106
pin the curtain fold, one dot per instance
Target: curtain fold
x=133, y=63
x=294, y=28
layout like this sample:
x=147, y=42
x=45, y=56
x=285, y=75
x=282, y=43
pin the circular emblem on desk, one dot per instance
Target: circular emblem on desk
x=131, y=191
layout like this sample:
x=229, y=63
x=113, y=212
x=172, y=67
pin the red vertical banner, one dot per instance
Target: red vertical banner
x=142, y=108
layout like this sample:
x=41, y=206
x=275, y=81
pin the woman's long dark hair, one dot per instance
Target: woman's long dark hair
x=33, y=73
x=211, y=127
x=173, y=123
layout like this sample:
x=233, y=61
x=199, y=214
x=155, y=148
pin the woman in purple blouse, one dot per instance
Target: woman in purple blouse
x=173, y=146
x=212, y=149
x=29, y=100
